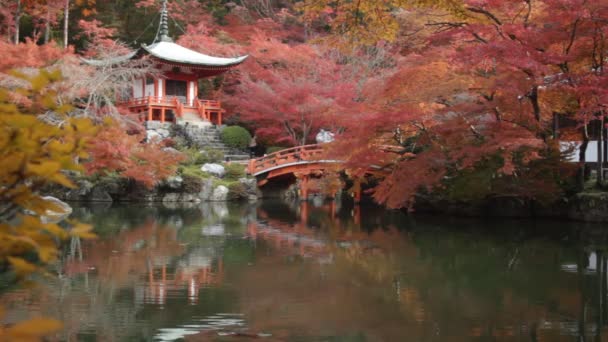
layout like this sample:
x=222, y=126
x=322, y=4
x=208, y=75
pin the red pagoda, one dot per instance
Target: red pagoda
x=174, y=95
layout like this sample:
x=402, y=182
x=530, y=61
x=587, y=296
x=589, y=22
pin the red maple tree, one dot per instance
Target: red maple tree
x=499, y=75
x=115, y=151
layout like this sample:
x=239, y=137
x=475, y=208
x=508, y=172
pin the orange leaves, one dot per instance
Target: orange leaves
x=34, y=154
x=32, y=330
x=28, y=54
x=21, y=267
x=116, y=151
x=84, y=231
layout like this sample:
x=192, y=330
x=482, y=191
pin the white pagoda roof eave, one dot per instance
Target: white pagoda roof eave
x=175, y=53
x=109, y=61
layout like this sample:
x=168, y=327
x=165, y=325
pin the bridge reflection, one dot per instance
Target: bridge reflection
x=160, y=273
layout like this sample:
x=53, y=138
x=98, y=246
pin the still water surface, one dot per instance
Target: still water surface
x=279, y=272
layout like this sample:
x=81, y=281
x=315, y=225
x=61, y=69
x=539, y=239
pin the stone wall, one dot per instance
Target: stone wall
x=174, y=189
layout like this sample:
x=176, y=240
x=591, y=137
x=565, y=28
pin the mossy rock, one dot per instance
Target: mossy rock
x=192, y=184
x=234, y=171
x=237, y=191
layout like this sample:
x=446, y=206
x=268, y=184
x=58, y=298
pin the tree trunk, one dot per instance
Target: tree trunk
x=605, y=142
x=47, y=25
x=555, y=126
x=66, y=17
x=600, y=154
x=17, y=22
x=582, y=174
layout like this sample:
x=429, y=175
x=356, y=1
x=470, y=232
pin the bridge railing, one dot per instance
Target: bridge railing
x=282, y=157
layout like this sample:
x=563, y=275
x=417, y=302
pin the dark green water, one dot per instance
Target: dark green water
x=274, y=272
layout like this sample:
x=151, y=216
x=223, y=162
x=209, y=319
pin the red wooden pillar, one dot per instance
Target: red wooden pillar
x=357, y=196
x=357, y=214
x=357, y=191
x=304, y=213
x=304, y=188
x=162, y=115
x=195, y=90
x=188, y=85
x=149, y=113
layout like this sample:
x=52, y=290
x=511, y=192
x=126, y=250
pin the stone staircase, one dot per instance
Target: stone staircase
x=207, y=136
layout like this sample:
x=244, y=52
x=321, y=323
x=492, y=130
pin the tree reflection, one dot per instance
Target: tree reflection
x=147, y=260
x=460, y=283
x=320, y=272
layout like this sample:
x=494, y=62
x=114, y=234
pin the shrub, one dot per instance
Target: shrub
x=191, y=156
x=237, y=191
x=193, y=171
x=236, y=137
x=273, y=149
x=191, y=184
x=234, y=171
x=199, y=157
x=210, y=155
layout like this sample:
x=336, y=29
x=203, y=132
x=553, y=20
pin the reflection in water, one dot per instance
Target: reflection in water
x=321, y=272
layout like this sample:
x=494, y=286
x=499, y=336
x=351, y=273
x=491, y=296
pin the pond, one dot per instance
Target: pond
x=274, y=271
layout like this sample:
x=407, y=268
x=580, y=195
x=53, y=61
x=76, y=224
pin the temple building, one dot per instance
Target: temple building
x=173, y=96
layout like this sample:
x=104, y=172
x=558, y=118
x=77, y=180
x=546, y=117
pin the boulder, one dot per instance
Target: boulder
x=171, y=197
x=214, y=169
x=60, y=212
x=82, y=191
x=206, y=190
x=99, y=194
x=174, y=182
x=219, y=194
x=152, y=125
x=164, y=133
x=190, y=198
x=153, y=136
x=251, y=188
x=170, y=150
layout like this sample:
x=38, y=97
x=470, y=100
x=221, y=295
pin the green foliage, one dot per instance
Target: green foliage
x=236, y=137
x=237, y=191
x=234, y=171
x=193, y=171
x=195, y=156
x=273, y=149
x=191, y=184
x=544, y=179
x=210, y=155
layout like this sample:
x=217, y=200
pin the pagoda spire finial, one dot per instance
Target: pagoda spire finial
x=164, y=24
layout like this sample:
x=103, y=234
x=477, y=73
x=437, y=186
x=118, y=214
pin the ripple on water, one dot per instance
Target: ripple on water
x=224, y=322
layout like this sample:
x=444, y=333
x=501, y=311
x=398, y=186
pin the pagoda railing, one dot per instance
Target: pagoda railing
x=179, y=107
x=209, y=110
x=206, y=107
x=170, y=101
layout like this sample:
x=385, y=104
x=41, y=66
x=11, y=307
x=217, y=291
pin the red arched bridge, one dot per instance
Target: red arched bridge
x=301, y=161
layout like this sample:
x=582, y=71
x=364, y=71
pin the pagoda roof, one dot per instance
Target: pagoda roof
x=174, y=53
